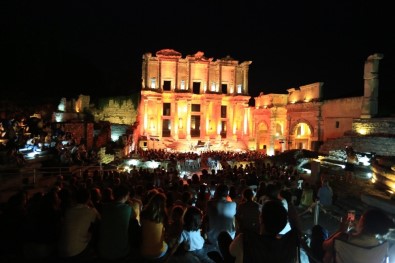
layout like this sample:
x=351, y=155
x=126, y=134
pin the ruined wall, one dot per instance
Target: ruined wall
x=379, y=126
x=368, y=135
x=338, y=116
x=116, y=110
x=80, y=131
x=306, y=93
x=384, y=146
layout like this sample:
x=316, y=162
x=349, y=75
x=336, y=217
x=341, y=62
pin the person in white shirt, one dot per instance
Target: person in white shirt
x=191, y=238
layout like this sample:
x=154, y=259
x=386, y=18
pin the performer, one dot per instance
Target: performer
x=351, y=160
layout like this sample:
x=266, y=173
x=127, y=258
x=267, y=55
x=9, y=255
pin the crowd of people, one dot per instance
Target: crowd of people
x=237, y=214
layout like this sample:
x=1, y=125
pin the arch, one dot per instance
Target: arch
x=301, y=135
x=299, y=121
x=262, y=126
x=262, y=142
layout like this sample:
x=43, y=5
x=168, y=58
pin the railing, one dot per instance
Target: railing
x=32, y=174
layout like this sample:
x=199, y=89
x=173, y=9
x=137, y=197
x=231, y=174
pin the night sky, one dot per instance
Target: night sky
x=55, y=49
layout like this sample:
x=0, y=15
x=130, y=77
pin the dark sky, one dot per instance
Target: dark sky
x=66, y=48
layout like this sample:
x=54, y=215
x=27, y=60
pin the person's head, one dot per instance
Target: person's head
x=192, y=219
x=107, y=195
x=324, y=182
x=221, y=191
x=286, y=194
x=232, y=192
x=187, y=197
x=121, y=192
x=375, y=222
x=96, y=195
x=273, y=217
x=149, y=195
x=272, y=191
x=248, y=194
x=202, y=188
x=176, y=213
x=82, y=195
x=155, y=210
x=195, y=178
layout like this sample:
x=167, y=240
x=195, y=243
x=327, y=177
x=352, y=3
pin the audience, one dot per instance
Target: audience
x=122, y=216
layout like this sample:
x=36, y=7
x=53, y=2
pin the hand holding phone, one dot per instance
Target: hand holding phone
x=351, y=220
x=351, y=215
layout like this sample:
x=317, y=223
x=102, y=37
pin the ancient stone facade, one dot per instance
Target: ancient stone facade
x=116, y=110
x=197, y=101
x=193, y=99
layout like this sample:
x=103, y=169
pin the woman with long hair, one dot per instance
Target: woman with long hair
x=153, y=221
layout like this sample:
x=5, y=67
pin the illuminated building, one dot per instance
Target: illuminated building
x=199, y=103
x=193, y=101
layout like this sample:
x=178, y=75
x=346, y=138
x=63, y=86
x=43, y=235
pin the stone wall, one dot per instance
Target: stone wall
x=80, y=131
x=116, y=110
x=384, y=146
x=368, y=135
x=379, y=126
x=338, y=116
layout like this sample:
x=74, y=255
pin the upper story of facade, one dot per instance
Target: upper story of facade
x=168, y=71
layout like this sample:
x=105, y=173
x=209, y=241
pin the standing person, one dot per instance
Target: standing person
x=325, y=193
x=351, y=160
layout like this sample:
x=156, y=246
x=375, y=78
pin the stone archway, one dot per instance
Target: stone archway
x=301, y=135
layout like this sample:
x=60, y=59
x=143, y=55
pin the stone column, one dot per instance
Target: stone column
x=159, y=109
x=371, y=86
x=145, y=126
x=234, y=124
x=188, y=127
x=245, y=81
x=175, y=125
x=207, y=121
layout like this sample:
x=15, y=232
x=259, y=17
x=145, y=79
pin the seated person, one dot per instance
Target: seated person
x=267, y=246
x=372, y=223
x=220, y=216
